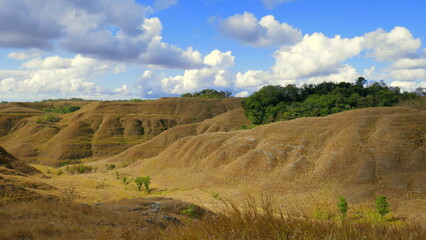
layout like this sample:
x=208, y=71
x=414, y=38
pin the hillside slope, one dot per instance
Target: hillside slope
x=98, y=129
x=359, y=153
x=229, y=121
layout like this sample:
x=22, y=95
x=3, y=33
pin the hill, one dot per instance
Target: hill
x=358, y=154
x=98, y=129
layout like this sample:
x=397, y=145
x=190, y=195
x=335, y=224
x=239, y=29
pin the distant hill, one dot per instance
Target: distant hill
x=98, y=129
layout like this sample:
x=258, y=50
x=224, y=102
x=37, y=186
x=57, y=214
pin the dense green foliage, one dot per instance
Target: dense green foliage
x=209, y=93
x=274, y=103
x=64, y=109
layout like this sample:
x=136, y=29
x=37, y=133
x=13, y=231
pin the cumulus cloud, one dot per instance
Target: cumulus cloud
x=23, y=55
x=214, y=74
x=409, y=63
x=267, y=31
x=393, y=45
x=409, y=74
x=104, y=29
x=242, y=94
x=408, y=85
x=57, y=75
x=346, y=73
x=315, y=55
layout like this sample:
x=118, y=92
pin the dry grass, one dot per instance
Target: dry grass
x=247, y=221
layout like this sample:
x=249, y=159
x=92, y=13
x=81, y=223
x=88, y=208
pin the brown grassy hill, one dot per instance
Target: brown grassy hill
x=359, y=153
x=10, y=162
x=229, y=121
x=98, y=129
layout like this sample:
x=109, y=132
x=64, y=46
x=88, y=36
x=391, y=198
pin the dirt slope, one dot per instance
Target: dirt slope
x=229, y=121
x=10, y=162
x=98, y=129
x=360, y=153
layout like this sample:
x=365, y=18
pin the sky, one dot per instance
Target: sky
x=124, y=49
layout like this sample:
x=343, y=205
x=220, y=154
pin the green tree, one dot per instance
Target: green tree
x=343, y=206
x=382, y=206
x=145, y=181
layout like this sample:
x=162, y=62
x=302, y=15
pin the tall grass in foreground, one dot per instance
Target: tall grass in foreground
x=250, y=220
x=247, y=221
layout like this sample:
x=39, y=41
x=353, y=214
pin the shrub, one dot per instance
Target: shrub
x=382, y=206
x=145, y=181
x=48, y=118
x=192, y=211
x=64, y=109
x=343, y=206
x=125, y=180
x=79, y=168
x=110, y=166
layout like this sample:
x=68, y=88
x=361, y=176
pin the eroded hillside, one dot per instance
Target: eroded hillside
x=98, y=129
x=359, y=153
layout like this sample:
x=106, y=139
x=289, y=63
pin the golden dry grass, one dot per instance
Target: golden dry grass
x=98, y=129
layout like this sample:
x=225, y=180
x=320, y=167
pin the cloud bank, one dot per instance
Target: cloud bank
x=104, y=29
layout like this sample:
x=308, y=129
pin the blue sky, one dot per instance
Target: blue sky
x=122, y=49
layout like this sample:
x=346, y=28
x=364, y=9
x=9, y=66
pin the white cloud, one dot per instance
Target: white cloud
x=123, y=90
x=164, y=4
x=23, y=55
x=242, y=94
x=103, y=29
x=345, y=74
x=57, y=75
x=214, y=74
x=409, y=63
x=405, y=85
x=315, y=55
x=396, y=44
x=251, y=78
x=267, y=31
x=219, y=59
x=409, y=74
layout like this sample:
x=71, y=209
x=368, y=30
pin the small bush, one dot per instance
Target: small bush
x=80, y=169
x=63, y=110
x=125, y=180
x=145, y=181
x=192, y=211
x=343, y=206
x=382, y=206
x=110, y=166
x=48, y=118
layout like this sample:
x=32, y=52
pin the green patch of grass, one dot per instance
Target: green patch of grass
x=48, y=118
x=64, y=110
x=78, y=169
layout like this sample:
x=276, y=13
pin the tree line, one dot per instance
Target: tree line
x=274, y=103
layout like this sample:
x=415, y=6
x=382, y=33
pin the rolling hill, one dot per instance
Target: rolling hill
x=98, y=129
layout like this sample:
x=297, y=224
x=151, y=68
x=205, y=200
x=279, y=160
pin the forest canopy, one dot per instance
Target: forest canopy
x=274, y=103
x=209, y=93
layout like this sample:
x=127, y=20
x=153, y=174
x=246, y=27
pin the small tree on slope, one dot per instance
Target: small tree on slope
x=382, y=206
x=343, y=206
